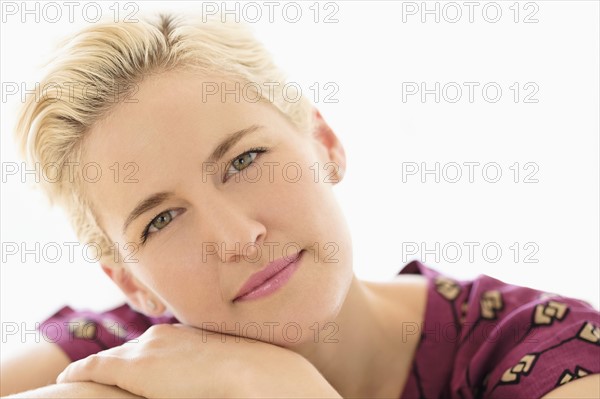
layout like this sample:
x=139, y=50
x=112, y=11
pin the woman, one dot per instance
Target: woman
x=223, y=231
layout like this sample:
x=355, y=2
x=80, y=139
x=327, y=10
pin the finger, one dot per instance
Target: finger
x=100, y=368
x=75, y=371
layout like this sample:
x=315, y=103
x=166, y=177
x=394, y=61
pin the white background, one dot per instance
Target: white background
x=368, y=54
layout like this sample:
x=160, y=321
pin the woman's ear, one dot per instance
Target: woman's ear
x=138, y=297
x=332, y=145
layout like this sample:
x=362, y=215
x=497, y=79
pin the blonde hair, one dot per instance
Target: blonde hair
x=114, y=58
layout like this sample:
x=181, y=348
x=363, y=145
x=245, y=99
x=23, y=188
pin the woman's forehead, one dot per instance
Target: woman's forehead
x=171, y=112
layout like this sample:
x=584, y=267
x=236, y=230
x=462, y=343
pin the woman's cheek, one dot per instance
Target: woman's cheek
x=164, y=266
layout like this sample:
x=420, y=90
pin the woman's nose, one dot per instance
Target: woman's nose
x=233, y=232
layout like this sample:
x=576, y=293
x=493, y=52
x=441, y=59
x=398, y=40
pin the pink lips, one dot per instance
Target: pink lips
x=269, y=279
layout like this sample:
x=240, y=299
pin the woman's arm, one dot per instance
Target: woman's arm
x=33, y=373
x=585, y=387
x=178, y=361
x=75, y=390
x=37, y=367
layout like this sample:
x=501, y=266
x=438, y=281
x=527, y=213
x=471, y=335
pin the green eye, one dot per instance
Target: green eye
x=242, y=161
x=161, y=220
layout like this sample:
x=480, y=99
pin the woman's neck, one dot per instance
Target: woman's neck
x=368, y=355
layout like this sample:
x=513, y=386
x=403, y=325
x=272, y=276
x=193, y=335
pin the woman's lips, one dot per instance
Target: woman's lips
x=270, y=279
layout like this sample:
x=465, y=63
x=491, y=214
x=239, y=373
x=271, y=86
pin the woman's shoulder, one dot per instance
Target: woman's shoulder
x=81, y=332
x=487, y=338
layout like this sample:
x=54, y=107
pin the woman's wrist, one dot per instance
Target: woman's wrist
x=297, y=378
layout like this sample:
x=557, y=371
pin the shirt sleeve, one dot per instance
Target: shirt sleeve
x=80, y=333
x=523, y=343
x=487, y=339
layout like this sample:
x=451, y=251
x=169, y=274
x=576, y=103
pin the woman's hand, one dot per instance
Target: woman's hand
x=174, y=360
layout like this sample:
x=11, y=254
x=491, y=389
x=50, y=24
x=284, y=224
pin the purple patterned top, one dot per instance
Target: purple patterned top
x=481, y=338
x=488, y=339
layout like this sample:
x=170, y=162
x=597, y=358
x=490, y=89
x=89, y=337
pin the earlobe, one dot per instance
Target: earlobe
x=340, y=174
x=327, y=138
x=151, y=304
x=137, y=297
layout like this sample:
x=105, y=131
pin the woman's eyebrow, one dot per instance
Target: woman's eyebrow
x=156, y=199
x=145, y=205
x=230, y=141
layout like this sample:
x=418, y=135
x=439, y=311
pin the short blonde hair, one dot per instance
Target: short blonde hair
x=113, y=58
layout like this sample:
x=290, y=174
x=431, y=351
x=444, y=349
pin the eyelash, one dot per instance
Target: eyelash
x=146, y=234
x=258, y=150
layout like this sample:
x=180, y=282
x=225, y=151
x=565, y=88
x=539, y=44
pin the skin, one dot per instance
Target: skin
x=178, y=132
x=79, y=390
x=371, y=355
x=168, y=134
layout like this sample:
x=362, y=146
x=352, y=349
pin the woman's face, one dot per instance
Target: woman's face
x=210, y=236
